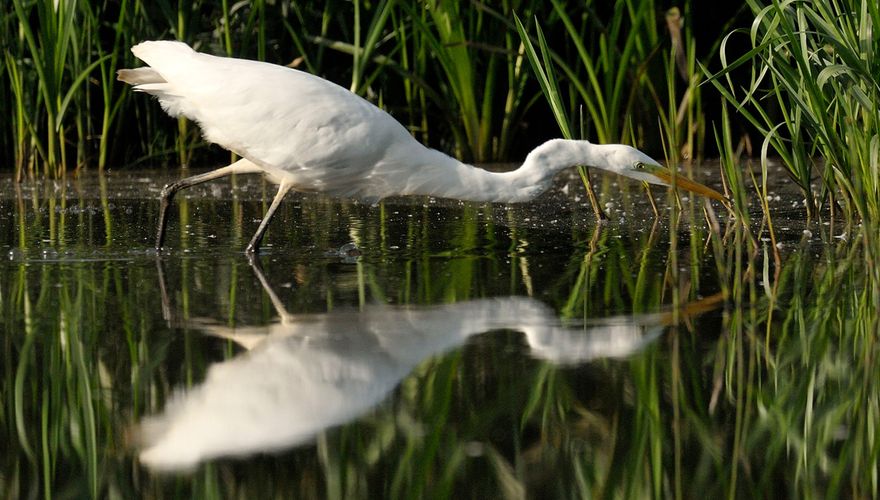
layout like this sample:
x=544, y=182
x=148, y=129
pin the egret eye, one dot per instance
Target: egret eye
x=640, y=165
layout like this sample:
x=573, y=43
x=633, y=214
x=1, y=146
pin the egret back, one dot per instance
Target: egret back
x=314, y=135
x=296, y=126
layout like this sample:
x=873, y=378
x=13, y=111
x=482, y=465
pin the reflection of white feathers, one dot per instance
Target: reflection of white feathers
x=311, y=372
x=615, y=337
x=281, y=393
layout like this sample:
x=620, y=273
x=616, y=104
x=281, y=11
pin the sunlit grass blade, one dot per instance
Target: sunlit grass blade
x=819, y=64
x=20, y=127
x=543, y=68
x=364, y=49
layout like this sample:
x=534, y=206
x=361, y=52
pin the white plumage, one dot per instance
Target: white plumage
x=309, y=134
x=312, y=372
x=309, y=372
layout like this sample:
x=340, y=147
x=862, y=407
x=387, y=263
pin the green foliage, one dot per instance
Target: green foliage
x=812, y=91
x=54, y=48
x=462, y=65
x=625, y=75
x=550, y=87
x=613, y=68
x=59, y=72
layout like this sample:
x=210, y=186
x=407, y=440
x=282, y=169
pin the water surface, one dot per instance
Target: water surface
x=461, y=350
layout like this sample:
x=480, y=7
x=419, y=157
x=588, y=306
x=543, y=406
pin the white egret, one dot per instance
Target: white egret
x=308, y=134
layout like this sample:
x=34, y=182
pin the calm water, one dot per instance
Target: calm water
x=465, y=350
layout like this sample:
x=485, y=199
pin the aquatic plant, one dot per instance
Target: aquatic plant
x=58, y=57
x=626, y=79
x=546, y=76
x=812, y=92
x=479, y=63
x=613, y=68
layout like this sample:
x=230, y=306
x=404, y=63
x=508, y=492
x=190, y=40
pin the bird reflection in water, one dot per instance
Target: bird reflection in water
x=310, y=372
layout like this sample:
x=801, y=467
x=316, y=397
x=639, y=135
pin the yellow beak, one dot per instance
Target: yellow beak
x=681, y=182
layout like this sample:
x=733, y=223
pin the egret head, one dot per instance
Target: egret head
x=630, y=162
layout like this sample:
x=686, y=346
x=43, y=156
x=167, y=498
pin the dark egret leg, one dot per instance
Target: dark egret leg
x=254, y=245
x=242, y=166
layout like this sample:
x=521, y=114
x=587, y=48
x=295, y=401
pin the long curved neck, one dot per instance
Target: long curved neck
x=443, y=176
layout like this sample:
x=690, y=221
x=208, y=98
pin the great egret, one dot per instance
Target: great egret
x=308, y=134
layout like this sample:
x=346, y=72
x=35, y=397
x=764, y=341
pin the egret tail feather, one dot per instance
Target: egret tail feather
x=139, y=76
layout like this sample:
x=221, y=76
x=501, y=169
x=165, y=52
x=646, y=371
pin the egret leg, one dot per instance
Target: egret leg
x=242, y=166
x=254, y=245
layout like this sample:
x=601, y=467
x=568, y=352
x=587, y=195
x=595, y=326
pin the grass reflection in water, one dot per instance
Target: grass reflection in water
x=775, y=392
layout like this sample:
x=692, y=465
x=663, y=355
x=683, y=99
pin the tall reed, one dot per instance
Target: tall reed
x=611, y=63
x=54, y=50
x=546, y=75
x=812, y=90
